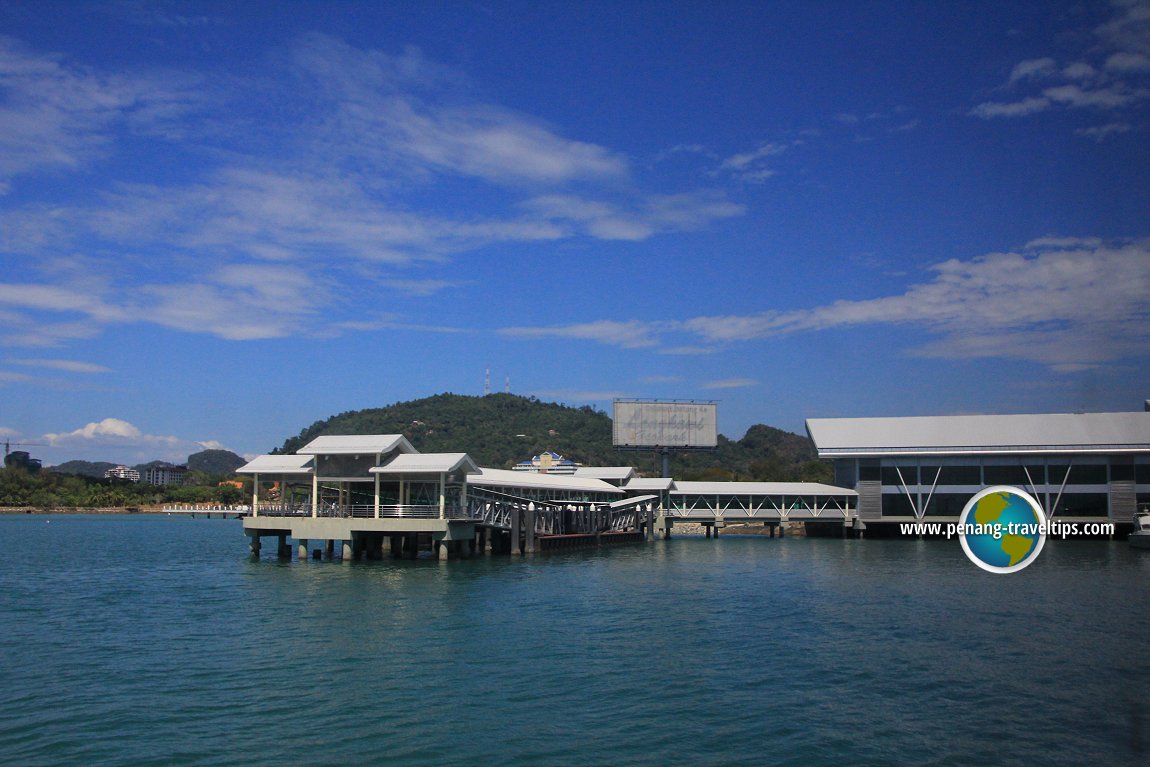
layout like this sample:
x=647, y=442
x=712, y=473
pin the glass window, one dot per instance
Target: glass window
x=1005, y=475
x=871, y=473
x=960, y=475
x=946, y=504
x=1121, y=472
x=890, y=475
x=1083, y=504
x=1142, y=473
x=896, y=505
x=1080, y=474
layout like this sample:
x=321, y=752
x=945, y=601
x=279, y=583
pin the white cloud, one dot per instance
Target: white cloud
x=1033, y=69
x=731, y=383
x=58, y=116
x=1124, y=61
x=1069, y=303
x=1109, y=75
x=68, y=366
x=114, y=439
x=629, y=335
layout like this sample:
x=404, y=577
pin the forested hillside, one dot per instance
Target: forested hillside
x=499, y=430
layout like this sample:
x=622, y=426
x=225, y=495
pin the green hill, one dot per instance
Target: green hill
x=499, y=430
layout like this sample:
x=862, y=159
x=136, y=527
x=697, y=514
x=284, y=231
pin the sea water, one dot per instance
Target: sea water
x=151, y=640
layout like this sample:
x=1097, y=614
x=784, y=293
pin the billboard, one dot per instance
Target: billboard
x=665, y=423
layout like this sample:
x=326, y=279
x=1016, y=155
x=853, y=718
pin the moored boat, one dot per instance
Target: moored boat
x=1140, y=538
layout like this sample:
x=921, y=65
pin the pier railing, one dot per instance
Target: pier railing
x=363, y=511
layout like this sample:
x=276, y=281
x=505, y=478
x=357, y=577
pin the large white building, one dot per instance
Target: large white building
x=1077, y=465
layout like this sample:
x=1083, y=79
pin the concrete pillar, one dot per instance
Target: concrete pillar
x=329, y=549
x=348, y=553
x=396, y=546
x=283, y=550
x=411, y=546
x=707, y=527
x=650, y=536
x=302, y=549
x=442, y=550
x=255, y=546
x=515, y=512
x=529, y=530
x=782, y=531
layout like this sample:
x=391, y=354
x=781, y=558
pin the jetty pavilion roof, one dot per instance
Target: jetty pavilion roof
x=277, y=464
x=509, y=478
x=357, y=444
x=981, y=434
x=428, y=463
x=607, y=473
x=649, y=484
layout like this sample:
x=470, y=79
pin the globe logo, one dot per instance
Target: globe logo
x=1002, y=529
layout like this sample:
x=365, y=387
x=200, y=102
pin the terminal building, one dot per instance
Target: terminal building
x=1087, y=466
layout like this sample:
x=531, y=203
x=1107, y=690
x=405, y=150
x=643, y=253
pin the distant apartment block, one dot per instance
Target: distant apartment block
x=165, y=474
x=122, y=472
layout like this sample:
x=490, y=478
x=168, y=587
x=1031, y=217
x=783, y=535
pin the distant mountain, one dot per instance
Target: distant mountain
x=215, y=462
x=84, y=468
x=499, y=430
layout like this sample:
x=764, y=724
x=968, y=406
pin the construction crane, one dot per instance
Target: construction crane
x=8, y=445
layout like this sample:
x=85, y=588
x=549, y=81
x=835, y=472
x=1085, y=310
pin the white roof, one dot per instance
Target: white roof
x=758, y=488
x=957, y=434
x=427, y=463
x=568, y=482
x=606, y=472
x=356, y=444
x=649, y=483
x=277, y=464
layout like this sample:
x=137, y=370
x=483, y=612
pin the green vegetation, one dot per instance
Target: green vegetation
x=499, y=430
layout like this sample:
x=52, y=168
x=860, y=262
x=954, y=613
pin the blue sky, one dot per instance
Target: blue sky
x=220, y=222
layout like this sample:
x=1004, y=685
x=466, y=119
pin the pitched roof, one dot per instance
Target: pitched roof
x=427, y=463
x=606, y=472
x=356, y=444
x=958, y=434
x=277, y=464
x=568, y=482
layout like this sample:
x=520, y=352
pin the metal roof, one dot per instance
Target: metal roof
x=427, y=463
x=606, y=472
x=981, y=434
x=277, y=464
x=758, y=488
x=568, y=482
x=649, y=483
x=356, y=444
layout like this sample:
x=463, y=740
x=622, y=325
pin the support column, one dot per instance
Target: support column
x=329, y=549
x=650, y=536
x=707, y=528
x=256, y=495
x=411, y=546
x=302, y=545
x=515, y=512
x=396, y=546
x=283, y=550
x=529, y=532
x=315, y=487
x=377, y=490
x=255, y=546
x=348, y=550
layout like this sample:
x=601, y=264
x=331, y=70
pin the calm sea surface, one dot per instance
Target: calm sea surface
x=149, y=640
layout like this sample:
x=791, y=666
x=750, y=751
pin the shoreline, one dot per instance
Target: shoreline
x=149, y=509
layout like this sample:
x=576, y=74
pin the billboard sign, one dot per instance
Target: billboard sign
x=665, y=423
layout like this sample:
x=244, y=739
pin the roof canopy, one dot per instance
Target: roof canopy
x=568, y=482
x=427, y=463
x=357, y=444
x=758, y=488
x=277, y=464
x=617, y=473
x=966, y=434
